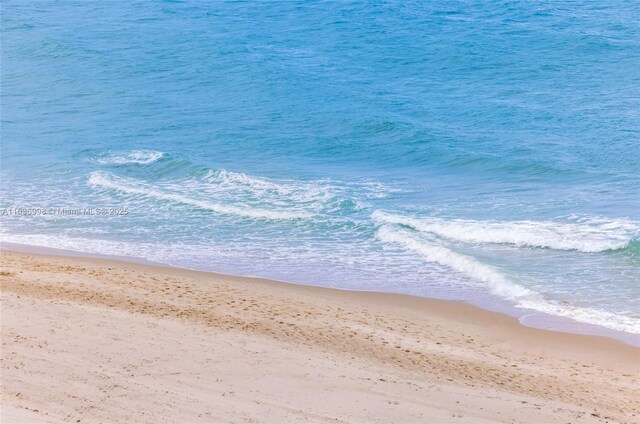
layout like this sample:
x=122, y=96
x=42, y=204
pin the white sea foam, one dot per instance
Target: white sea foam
x=126, y=185
x=500, y=284
x=141, y=157
x=584, y=235
x=585, y=315
x=323, y=194
x=433, y=252
x=301, y=192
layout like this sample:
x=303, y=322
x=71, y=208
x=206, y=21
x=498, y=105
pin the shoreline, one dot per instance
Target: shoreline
x=106, y=340
x=525, y=317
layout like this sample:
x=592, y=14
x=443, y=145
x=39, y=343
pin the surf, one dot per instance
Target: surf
x=586, y=236
x=138, y=157
x=103, y=180
x=500, y=284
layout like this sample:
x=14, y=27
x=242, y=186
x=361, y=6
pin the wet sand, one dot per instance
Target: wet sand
x=100, y=340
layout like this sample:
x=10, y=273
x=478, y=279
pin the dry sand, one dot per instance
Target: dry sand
x=94, y=340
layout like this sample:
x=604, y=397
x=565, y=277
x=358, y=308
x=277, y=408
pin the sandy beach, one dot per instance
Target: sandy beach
x=106, y=341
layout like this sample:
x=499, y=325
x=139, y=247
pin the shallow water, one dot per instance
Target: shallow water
x=485, y=152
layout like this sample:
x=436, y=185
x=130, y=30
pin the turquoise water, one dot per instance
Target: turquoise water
x=482, y=151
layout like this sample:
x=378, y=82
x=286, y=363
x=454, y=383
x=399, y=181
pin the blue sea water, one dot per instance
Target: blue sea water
x=481, y=151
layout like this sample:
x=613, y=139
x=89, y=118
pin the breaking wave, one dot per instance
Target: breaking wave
x=140, y=157
x=584, y=235
x=105, y=180
x=500, y=284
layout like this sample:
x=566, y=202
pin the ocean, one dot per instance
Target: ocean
x=487, y=152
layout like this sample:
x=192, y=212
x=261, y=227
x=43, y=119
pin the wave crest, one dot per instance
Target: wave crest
x=140, y=157
x=130, y=186
x=586, y=236
x=500, y=284
x=464, y=264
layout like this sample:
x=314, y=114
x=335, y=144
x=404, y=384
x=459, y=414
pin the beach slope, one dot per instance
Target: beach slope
x=97, y=340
